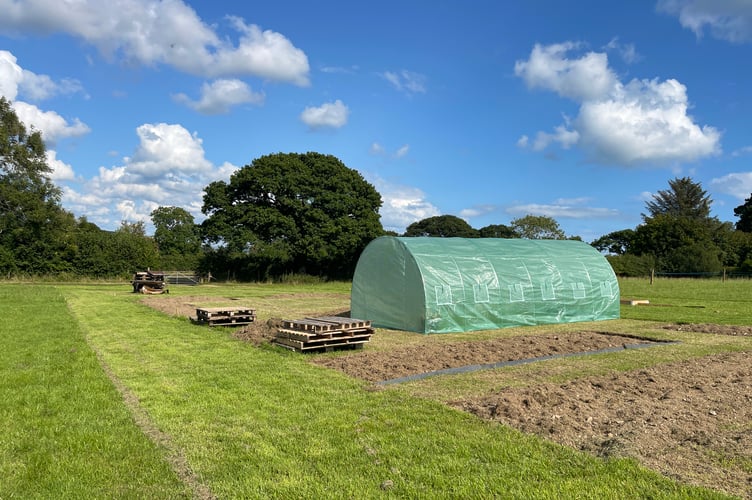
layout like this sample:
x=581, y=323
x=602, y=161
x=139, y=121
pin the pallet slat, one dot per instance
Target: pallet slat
x=224, y=316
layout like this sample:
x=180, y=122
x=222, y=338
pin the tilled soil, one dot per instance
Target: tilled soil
x=690, y=420
x=428, y=357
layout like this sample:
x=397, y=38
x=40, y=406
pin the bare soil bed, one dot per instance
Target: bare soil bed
x=690, y=420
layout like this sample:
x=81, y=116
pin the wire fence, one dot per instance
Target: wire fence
x=722, y=275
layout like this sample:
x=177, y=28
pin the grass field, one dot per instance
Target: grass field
x=103, y=397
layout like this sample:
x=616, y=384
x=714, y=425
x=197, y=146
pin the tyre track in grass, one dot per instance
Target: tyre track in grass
x=174, y=454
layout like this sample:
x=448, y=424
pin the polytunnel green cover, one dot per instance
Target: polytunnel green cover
x=441, y=285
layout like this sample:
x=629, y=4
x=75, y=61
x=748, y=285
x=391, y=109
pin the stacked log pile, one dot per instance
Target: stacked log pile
x=323, y=333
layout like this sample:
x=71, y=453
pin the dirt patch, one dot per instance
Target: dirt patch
x=183, y=306
x=736, y=330
x=689, y=420
x=429, y=357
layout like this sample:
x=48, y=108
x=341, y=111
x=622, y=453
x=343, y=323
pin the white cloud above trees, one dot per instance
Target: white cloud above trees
x=170, y=33
x=328, y=115
x=219, y=96
x=167, y=168
x=16, y=81
x=637, y=123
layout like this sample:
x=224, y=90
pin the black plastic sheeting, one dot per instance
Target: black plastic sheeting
x=514, y=362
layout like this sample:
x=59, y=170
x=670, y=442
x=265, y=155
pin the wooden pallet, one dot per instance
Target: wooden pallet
x=323, y=333
x=323, y=324
x=224, y=316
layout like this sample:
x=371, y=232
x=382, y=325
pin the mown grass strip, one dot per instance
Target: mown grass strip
x=65, y=430
x=689, y=300
x=264, y=423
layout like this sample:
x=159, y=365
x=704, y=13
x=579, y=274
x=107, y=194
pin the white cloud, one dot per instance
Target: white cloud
x=586, y=78
x=61, y=171
x=167, y=150
x=406, y=81
x=627, y=51
x=53, y=126
x=737, y=184
x=328, y=115
x=642, y=122
x=376, y=149
x=14, y=79
x=402, y=151
x=746, y=150
x=40, y=87
x=168, y=168
x=574, y=208
x=469, y=213
x=402, y=205
x=220, y=96
x=729, y=20
x=565, y=137
x=645, y=122
x=167, y=32
x=11, y=75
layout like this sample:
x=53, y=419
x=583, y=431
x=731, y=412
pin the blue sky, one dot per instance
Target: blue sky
x=485, y=110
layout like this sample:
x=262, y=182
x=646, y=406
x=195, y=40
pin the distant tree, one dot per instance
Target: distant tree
x=631, y=265
x=497, y=231
x=175, y=231
x=537, y=227
x=680, y=234
x=290, y=213
x=744, y=212
x=685, y=198
x=615, y=243
x=679, y=244
x=35, y=231
x=95, y=250
x=177, y=237
x=135, y=250
x=444, y=226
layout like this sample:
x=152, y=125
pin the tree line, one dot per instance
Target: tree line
x=306, y=213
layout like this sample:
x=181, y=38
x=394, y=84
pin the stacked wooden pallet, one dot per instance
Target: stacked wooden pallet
x=224, y=316
x=323, y=333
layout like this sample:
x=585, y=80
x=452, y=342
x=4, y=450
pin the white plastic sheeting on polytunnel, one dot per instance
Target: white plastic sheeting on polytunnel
x=441, y=285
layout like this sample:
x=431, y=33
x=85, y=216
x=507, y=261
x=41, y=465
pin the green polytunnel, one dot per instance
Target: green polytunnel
x=442, y=285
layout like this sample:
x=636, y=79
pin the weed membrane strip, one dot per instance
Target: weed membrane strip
x=514, y=362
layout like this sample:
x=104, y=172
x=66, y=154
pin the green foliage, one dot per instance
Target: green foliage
x=283, y=213
x=685, y=198
x=744, y=212
x=120, y=253
x=631, y=265
x=680, y=234
x=497, y=231
x=615, y=243
x=175, y=231
x=537, y=227
x=692, y=258
x=442, y=226
x=34, y=229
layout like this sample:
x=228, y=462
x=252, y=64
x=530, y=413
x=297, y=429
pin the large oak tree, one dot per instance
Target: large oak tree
x=291, y=213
